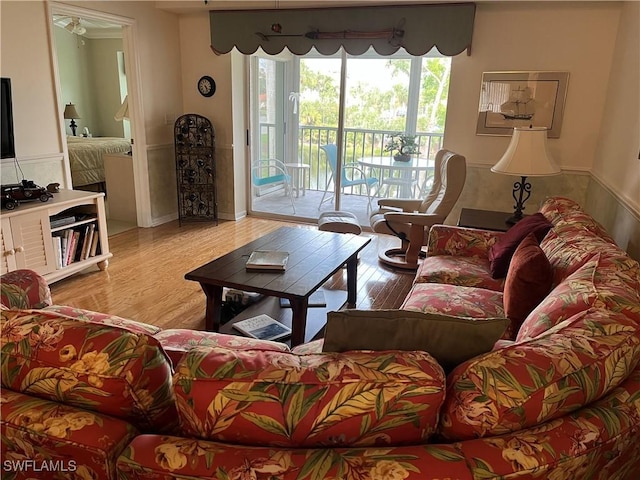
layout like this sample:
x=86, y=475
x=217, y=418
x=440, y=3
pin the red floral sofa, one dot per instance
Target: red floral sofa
x=106, y=397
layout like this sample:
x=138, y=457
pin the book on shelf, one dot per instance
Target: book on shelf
x=66, y=243
x=57, y=250
x=61, y=221
x=86, y=242
x=315, y=300
x=262, y=327
x=73, y=247
x=94, y=244
x=268, y=260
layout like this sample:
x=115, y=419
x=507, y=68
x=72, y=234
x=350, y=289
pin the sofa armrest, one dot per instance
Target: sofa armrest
x=460, y=241
x=24, y=289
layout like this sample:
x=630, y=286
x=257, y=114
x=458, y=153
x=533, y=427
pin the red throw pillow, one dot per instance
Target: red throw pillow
x=528, y=281
x=501, y=252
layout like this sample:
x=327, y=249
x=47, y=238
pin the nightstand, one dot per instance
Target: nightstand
x=484, y=219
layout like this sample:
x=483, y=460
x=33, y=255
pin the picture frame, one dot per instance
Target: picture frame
x=519, y=99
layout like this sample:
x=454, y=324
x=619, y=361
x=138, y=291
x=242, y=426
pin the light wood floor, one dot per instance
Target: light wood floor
x=145, y=279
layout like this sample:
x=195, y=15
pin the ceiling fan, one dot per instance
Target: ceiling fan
x=74, y=26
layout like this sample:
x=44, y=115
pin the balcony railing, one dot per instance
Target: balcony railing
x=358, y=143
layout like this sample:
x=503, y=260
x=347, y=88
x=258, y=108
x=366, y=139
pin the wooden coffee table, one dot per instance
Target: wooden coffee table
x=313, y=257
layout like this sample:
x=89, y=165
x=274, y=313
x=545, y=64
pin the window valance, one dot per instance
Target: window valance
x=417, y=29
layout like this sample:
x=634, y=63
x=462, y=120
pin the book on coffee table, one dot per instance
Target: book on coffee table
x=262, y=327
x=267, y=260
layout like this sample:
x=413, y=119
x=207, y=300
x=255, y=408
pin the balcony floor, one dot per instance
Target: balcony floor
x=277, y=203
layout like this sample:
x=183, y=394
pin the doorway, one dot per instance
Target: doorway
x=324, y=117
x=92, y=57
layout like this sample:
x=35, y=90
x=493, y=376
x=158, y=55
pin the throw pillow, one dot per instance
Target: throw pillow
x=450, y=340
x=528, y=281
x=501, y=252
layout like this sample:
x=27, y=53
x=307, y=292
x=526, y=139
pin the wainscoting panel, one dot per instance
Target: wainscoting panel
x=615, y=216
x=43, y=169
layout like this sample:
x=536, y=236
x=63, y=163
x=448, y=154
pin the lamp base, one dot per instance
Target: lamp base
x=521, y=192
x=513, y=219
x=73, y=127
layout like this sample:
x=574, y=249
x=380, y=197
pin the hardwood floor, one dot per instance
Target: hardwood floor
x=145, y=279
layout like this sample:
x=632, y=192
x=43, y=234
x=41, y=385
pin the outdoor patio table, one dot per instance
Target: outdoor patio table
x=409, y=172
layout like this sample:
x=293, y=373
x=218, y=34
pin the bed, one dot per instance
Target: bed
x=85, y=157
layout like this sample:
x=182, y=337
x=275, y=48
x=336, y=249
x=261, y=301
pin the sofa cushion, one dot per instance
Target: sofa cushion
x=104, y=319
x=528, y=383
x=454, y=300
x=600, y=441
x=565, y=254
x=604, y=282
x=87, y=444
x=528, y=281
x=501, y=252
x=83, y=364
x=565, y=212
x=280, y=399
x=177, y=341
x=454, y=270
x=450, y=340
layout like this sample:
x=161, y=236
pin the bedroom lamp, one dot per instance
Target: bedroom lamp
x=70, y=112
x=123, y=114
x=527, y=156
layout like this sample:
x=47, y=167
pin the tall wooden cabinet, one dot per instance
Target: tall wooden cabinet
x=195, y=168
x=28, y=234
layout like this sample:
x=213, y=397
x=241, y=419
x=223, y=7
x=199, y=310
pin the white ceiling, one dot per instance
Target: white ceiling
x=95, y=28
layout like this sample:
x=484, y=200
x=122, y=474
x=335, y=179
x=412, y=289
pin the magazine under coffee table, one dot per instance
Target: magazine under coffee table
x=316, y=316
x=314, y=256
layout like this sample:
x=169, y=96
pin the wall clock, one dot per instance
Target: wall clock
x=207, y=86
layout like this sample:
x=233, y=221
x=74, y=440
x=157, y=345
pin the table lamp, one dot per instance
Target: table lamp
x=123, y=114
x=70, y=112
x=527, y=156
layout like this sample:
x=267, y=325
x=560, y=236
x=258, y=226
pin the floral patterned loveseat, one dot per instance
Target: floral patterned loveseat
x=89, y=395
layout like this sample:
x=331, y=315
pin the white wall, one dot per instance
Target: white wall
x=25, y=59
x=576, y=37
x=616, y=161
x=614, y=194
x=38, y=112
x=197, y=60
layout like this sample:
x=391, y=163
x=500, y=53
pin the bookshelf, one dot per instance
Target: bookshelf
x=29, y=235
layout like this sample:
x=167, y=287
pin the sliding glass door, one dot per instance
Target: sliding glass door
x=326, y=119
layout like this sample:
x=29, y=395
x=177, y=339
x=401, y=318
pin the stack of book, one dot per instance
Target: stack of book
x=268, y=260
x=75, y=244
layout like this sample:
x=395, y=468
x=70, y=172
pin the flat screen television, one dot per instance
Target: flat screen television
x=7, y=148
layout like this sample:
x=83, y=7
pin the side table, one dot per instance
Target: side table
x=484, y=219
x=299, y=173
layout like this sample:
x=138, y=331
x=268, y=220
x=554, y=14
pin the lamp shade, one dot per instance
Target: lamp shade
x=527, y=155
x=70, y=111
x=123, y=111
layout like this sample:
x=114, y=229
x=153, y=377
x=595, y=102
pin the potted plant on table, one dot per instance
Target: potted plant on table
x=403, y=145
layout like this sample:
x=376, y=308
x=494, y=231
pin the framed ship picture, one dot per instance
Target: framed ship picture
x=520, y=99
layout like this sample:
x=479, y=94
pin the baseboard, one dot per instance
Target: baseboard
x=165, y=219
x=232, y=217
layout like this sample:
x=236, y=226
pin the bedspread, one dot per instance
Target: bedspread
x=85, y=157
